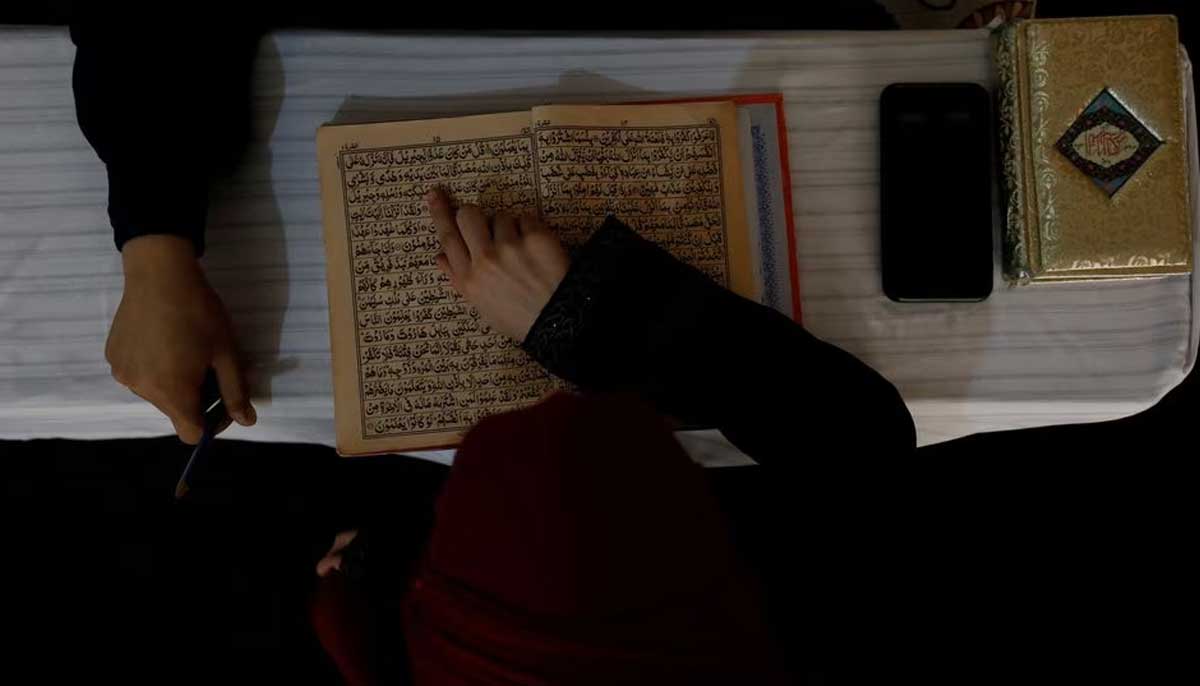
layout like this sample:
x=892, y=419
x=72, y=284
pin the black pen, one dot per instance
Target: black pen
x=215, y=419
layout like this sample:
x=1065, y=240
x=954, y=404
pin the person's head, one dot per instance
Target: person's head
x=576, y=543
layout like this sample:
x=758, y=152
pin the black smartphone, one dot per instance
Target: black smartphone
x=935, y=192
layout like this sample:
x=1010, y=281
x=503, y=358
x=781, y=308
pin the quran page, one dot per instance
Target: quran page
x=414, y=365
x=671, y=172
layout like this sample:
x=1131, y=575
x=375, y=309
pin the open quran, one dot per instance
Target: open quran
x=414, y=365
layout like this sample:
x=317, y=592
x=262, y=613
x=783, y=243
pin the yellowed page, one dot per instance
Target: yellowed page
x=414, y=366
x=669, y=171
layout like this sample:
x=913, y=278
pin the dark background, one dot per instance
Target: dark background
x=108, y=576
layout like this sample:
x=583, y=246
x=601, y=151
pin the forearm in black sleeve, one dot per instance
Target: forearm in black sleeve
x=166, y=110
x=629, y=317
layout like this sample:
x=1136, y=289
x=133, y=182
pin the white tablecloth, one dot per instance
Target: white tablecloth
x=1030, y=356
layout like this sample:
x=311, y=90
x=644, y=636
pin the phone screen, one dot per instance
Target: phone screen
x=936, y=192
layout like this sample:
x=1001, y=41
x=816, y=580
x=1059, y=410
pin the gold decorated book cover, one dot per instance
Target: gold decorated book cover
x=1092, y=128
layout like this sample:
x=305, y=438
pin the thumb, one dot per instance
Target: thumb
x=233, y=387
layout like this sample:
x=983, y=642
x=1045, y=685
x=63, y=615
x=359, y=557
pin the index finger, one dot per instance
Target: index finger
x=447, y=230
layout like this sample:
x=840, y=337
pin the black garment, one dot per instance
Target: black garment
x=167, y=112
x=629, y=317
x=108, y=575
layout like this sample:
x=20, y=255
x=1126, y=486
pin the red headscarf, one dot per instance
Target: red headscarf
x=576, y=543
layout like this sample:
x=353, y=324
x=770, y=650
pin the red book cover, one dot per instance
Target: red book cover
x=785, y=175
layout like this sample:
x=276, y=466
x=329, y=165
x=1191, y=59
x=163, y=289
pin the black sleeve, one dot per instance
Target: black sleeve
x=167, y=110
x=629, y=317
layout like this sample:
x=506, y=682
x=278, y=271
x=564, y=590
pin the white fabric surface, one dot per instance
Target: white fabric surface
x=1029, y=356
